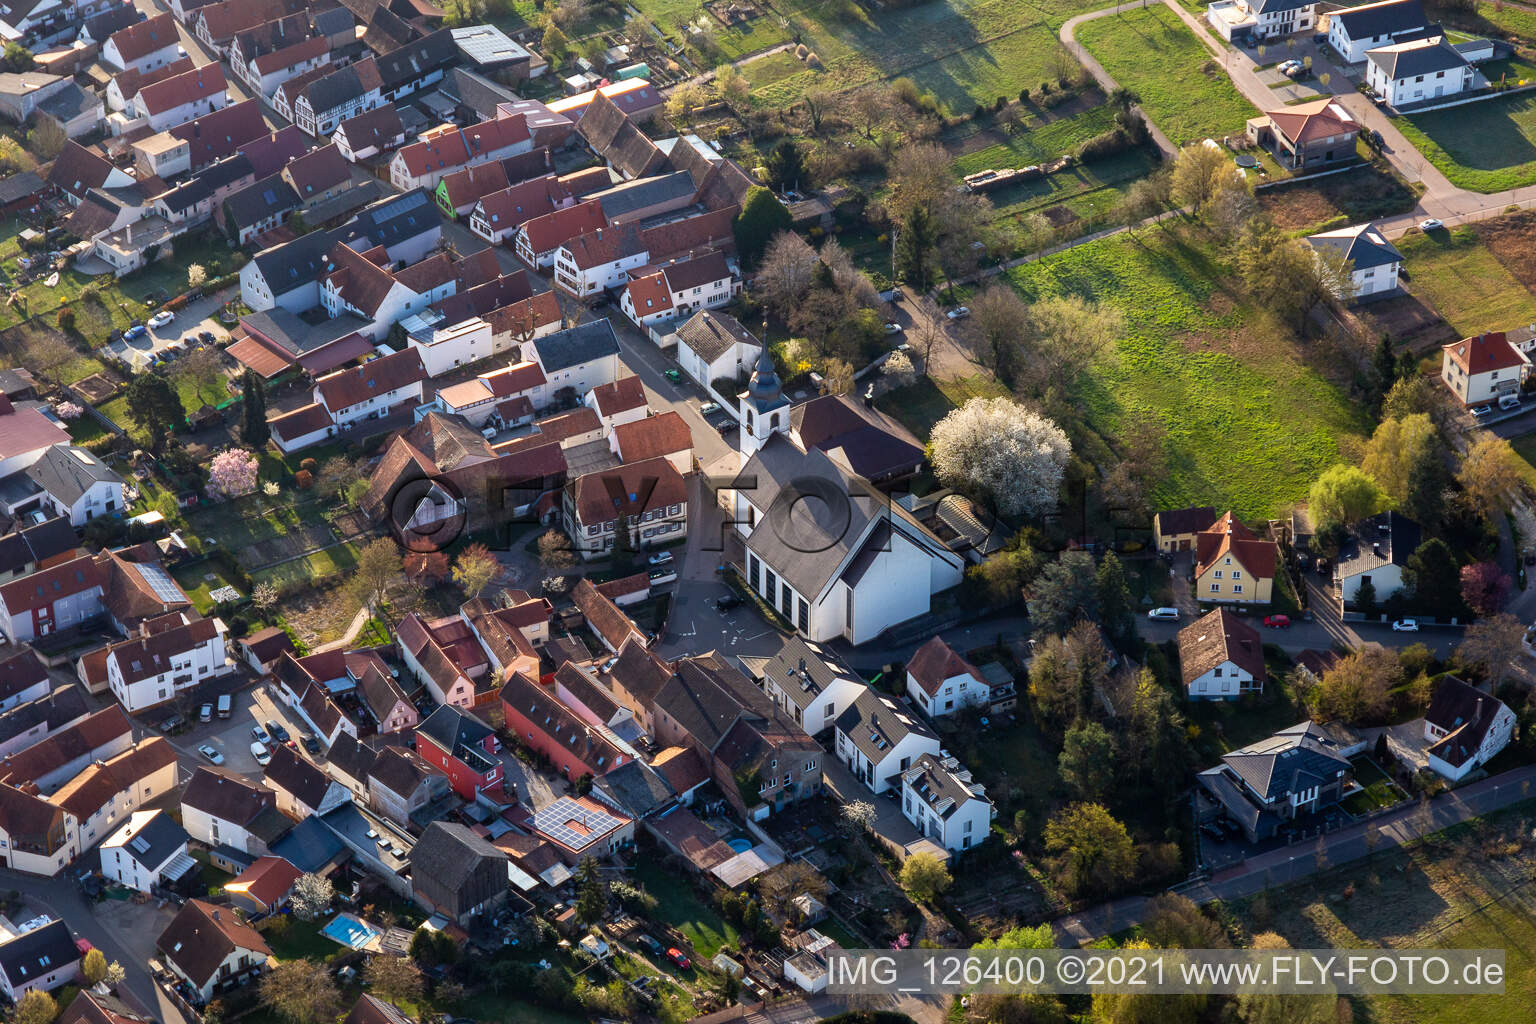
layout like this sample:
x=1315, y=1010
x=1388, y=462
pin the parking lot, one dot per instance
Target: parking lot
x=231, y=736
x=197, y=318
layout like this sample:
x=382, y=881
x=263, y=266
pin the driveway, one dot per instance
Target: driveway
x=845, y=789
x=197, y=317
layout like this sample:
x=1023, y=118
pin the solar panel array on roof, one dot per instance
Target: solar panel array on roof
x=161, y=583
x=574, y=825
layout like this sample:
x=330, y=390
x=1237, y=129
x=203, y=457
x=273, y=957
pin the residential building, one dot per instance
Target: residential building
x=23, y=678
x=579, y=358
x=449, y=148
x=538, y=239
x=182, y=98
x=391, y=709
x=1254, y=21
x=41, y=958
x=879, y=738
x=302, y=789
x=942, y=682
x=1355, y=31
x=211, y=949
x=144, y=46
x=1374, y=262
x=463, y=748
x=713, y=346
x=69, y=593
x=456, y=873
x=64, y=481
x=402, y=783
x=649, y=499
x=21, y=93
x=150, y=849
x=90, y=1007
x=228, y=814
x=605, y=618
x=603, y=258
x=1308, y=135
x=1175, y=530
x=657, y=296
x=369, y=134
x=1465, y=727
x=945, y=803
x=1232, y=565
x=223, y=133
x=266, y=72
x=573, y=747
x=1484, y=368
x=1221, y=657
x=321, y=103
x=1272, y=782
x=373, y=390
x=24, y=550
x=497, y=216
x=664, y=436
x=1373, y=557
x=636, y=97
x=264, y=887
x=443, y=657
x=458, y=193
x=807, y=682
x=171, y=654
x=616, y=402
x=1419, y=71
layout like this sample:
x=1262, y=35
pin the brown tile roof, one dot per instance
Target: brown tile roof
x=560, y=724
x=298, y=777
x=27, y=430
x=145, y=38
x=28, y=818
x=318, y=170
x=307, y=419
x=400, y=770
x=1218, y=637
x=373, y=1010
x=76, y=170
x=653, y=436
x=1466, y=714
x=552, y=230
x=638, y=673
x=701, y=269
x=266, y=881
x=54, y=752
x=605, y=618
x=322, y=711
x=1179, y=521
x=266, y=644
x=522, y=319
x=225, y=797
x=223, y=132
x=638, y=583
x=378, y=128
x=90, y=1008
x=1306, y=122
x=1226, y=537
x=681, y=767
x=456, y=146
x=380, y=692
x=223, y=20
x=1484, y=353
x=21, y=670
x=360, y=282
x=649, y=293
x=309, y=49
x=661, y=242
x=346, y=388
x=935, y=662
x=630, y=490
x=131, y=81
x=475, y=183
x=144, y=656
x=99, y=784
x=619, y=396
x=202, y=936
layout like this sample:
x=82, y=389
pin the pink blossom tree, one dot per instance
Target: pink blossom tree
x=232, y=473
x=68, y=411
x=1484, y=587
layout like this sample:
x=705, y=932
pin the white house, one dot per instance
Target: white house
x=665, y=435
x=879, y=738
x=450, y=148
x=617, y=402
x=1465, y=727
x=211, y=948
x=492, y=394
x=76, y=484
x=372, y=390
x=1354, y=31
x=443, y=348
x=807, y=683
x=657, y=295
x=1375, y=553
x=1257, y=20
x=1483, y=369
x=369, y=134
x=538, y=240
x=1374, y=261
x=144, y=47
x=322, y=103
x=941, y=682
x=42, y=956
x=853, y=563
x=181, y=98
x=23, y=679
x=713, y=345
x=946, y=805
x=173, y=653
x=1221, y=657
x=496, y=217
x=149, y=848
x=222, y=811
x=1418, y=71
x=267, y=71
x=579, y=358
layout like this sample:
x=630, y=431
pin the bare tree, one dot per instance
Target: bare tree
x=869, y=108
x=786, y=272
x=998, y=316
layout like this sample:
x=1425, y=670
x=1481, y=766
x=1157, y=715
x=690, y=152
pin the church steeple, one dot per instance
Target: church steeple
x=764, y=409
x=765, y=388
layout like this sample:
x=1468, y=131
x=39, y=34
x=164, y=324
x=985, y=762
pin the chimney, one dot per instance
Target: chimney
x=802, y=665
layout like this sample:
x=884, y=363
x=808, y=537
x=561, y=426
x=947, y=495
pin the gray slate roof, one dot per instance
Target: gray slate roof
x=67, y=472
x=576, y=345
x=1363, y=245
x=636, y=788
x=876, y=723
x=642, y=192
x=161, y=837
x=709, y=333
x=1387, y=538
x=802, y=669
x=1423, y=58
x=449, y=853
x=1290, y=761
x=36, y=953
x=1384, y=18
x=255, y=203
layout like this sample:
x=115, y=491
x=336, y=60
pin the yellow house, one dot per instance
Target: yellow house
x=1232, y=565
x=1175, y=529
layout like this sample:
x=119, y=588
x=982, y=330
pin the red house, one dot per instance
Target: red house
x=574, y=747
x=463, y=748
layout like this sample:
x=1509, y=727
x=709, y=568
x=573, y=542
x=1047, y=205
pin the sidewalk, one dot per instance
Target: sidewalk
x=1280, y=867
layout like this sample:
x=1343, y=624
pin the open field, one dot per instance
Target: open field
x=1512, y=240
x=1249, y=422
x=1367, y=193
x=1465, y=282
x=1488, y=146
x=1468, y=887
x=1183, y=89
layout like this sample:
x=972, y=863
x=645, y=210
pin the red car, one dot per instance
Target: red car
x=1277, y=621
x=677, y=957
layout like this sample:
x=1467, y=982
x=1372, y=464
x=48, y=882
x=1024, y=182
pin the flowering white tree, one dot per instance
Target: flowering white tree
x=196, y=275
x=1011, y=454
x=232, y=473
x=68, y=411
x=311, y=896
x=899, y=370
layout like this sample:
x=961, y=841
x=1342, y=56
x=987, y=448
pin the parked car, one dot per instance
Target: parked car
x=1509, y=402
x=172, y=723
x=678, y=957
x=1277, y=621
x=1405, y=626
x=135, y=332
x=259, y=734
x=648, y=942
x=661, y=577
x=728, y=602
x=1287, y=65
x=311, y=745
x=160, y=319
x=660, y=558
x=205, y=714
x=708, y=408
x=277, y=732
x=210, y=755
x=959, y=313
x=675, y=376
x=260, y=752
x=1165, y=614
x=1432, y=224
x=893, y=328
x=1481, y=411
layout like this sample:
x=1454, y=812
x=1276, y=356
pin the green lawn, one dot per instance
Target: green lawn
x=680, y=907
x=301, y=940
x=1466, y=282
x=1182, y=87
x=1226, y=725
x=193, y=580
x=1037, y=145
x=1488, y=146
x=333, y=561
x=920, y=405
x=1379, y=790
x=1249, y=424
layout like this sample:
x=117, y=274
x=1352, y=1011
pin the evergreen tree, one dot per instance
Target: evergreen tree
x=914, y=250
x=254, y=430
x=1386, y=364
x=786, y=166
x=1365, y=598
x=1435, y=579
x=155, y=406
x=762, y=216
x=1117, y=611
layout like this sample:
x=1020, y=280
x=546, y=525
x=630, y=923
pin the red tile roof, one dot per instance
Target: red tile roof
x=455, y=147
x=223, y=132
x=631, y=490
x=267, y=881
x=318, y=170
x=350, y=387
x=1226, y=537
x=936, y=661
x=187, y=87
x=145, y=38
x=131, y=81
x=650, y=294
x=647, y=438
x=1484, y=353
x=552, y=230
x=619, y=396
x=310, y=49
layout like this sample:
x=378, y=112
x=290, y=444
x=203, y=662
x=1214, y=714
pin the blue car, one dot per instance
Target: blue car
x=136, y=331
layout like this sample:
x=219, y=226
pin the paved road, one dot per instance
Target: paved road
x=1279, y=867
x=61, y=898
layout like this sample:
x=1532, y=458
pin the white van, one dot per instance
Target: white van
x=1165, y=614
x=1509, y=402
x=225, y=705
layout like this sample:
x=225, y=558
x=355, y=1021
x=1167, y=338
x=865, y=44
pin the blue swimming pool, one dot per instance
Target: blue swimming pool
x=350, y=931
x=739, y=845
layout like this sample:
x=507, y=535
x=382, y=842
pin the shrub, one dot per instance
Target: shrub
x=309, y=465
x=1105, y=145
x=66, y=320
x=304, y=479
